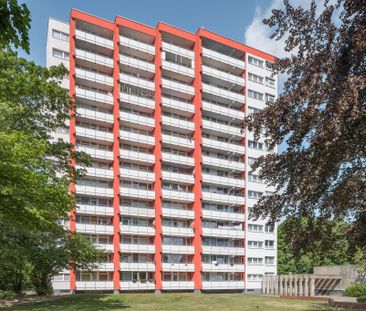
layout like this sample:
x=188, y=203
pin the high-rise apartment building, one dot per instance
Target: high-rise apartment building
x=167, y=196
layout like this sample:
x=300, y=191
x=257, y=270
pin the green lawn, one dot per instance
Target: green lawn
x=183, y=302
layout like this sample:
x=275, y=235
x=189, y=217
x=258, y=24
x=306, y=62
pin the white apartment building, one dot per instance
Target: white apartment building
x=159, y=111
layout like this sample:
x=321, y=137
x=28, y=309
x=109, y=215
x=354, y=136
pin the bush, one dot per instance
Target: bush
x=7, y=294
x=356, y=290
x=361, y=299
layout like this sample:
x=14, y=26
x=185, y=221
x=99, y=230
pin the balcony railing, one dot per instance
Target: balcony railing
x=93, y=76
x=178, y=213
x=223, y=198
x=136, y=81
x=137, y=193
x=221, y=215
x=223, y=58
x=137, y=230
x=174, y=122
x=176, y=158
x=239, y=80
x=94, y=96
x=136, y=156
x=177, y=86
x=95, y=115
x=94, y=39
x=222, y=267
x=129, y=173
x=227, y=233
x=221, y=92
x=221, y=145
x=136, y=137
x=132, y=118
x=178, y=249
x=94, y=190
x=177, y=50
x=137, y=63
x=137, y=100
x=226, y=111
x=94, y=209
x=178, y=267
x=166, y=65
x=177, y=104
x=178, y=141
x=94, y=58
x=133, y=248
x=178, y=177
x=222, y=128
x=178, y=195
x=223, y=250
x=95, y=152
x=177, y=231
x=221, y=180
x=137, y=211
x=137, y=45
x=92, y=228
x=94, y=134
x=234, y=165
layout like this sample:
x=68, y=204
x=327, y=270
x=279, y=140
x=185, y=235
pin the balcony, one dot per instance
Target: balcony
x=220, y=215
x=212, y=161
x=94, y=77
x=183, y=70
x=94, y=58
x=178, y=177
x=92, y=228
x=138, y=285
x=136, y=120
x=223, y=250
x=137, y=45
x=177, y=141
x=105, y=247
x=176, y=285
x=222, y=128
x=94, y=285
x=226, y=111
x=223, y=58
x=93, y=39
x=136, y=81
x=95, y=210
x=222, y=75
x=223, y=285
x=178, y=213
x=95, y=115
x=177, y=50
x=220, y=233
x=137, y=230
x=94, y=191
x=137, y=138
x=95, y=152
x=137, y=156
x=221, y=92
x=177, y=86
x=225, y=146
x=147, y=103
x=176, y=158
x=178, y=105
x=137, y=193
x=94, y=96
x=185, y=125
x=133, y=174
x=178, y=267
x=177, y=231
x=99, y=172
x=94, y=134
x=222, y=198
x=137, y=63
x=105, y=266
x=134, y=266
x=206, y=267
x=137, y=248
x=136, y=211
x=177, y=195
x=178, y=249
x=221, y=180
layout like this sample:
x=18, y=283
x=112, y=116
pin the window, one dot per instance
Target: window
x=270, y=98
x=255, y=61
x=60, y=35
x=255, y=244
x=255, y=178
x=269, y=65
x=255, y=145
x=268, y=228
x=269, y=261
x=255, y=95
x=255, y=261
x=254, y=194
x=254, y=277
x=60, y=54
x=251, y=160
x=255, y=228
x=253, y=110
x=255, y=78
x=269, y=244
x=270, y=82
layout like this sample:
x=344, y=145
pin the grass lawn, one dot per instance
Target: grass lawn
x=180, y=301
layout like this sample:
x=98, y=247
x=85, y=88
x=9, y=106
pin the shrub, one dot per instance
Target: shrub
x=356, y=290
x=7, y=294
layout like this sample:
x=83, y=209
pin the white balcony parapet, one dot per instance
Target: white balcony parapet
x=223, y=198
x=223, y=75
x=177, y=213
x=94, y=285
x=94, y=58
x=222, y=267
x=105, y=266
x=178, y=267
x=174, y=122
x=134, y=266
x=221, y=180
x=178, y=177
x=177, y=50
x=180, y=141
x=178, y=249
x=137, y=193
x=220, y=215
x=94, y=209
x=140, y=82
x=226, y=111
x=222, y=128
x=138, y=230
x=93, y=190
x=137, y=156
x=137, y=100
x=133, y=248
x=94, y=39
x=177, y=231
x=105, y=247
x=219, y=233
x=137, y=45
x=212, y=89
x=187, y=71
x=136, y=137
x=177, y=104
x=176, y=158
x=137, y=211
x=177, y=86
x=99, y=172
x=178, y=195
x=93, y=76
x=223, y=58
x=94, y=134
x=94, y=96
x=223, y=250
x=176, y=285
x=137, y=119
x=94, y=115
x=92, y=228
x=95, y=152
x=137, y=63
x=235, y=165
x=223, y=285
x=216, y=144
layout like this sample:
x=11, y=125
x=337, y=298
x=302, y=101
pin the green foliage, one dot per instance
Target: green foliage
x=356, y=290
x=7, y=294
x=14, y=24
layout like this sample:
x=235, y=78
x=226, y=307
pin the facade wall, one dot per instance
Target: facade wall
x=159, y=110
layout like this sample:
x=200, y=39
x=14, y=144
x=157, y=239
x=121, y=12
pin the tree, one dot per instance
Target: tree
x=14, y=24
x=321, y=116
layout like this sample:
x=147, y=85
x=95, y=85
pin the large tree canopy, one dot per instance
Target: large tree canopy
x=320, y=115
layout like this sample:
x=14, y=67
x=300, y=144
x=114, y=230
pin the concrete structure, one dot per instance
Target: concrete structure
x=159, y=111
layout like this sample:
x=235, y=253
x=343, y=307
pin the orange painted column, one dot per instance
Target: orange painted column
x=72, y=137
x=197, y=155
x=116, y=160
x=244, y=175
x=157, y=166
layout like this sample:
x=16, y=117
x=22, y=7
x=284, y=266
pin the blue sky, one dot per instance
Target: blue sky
x=230, y=18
